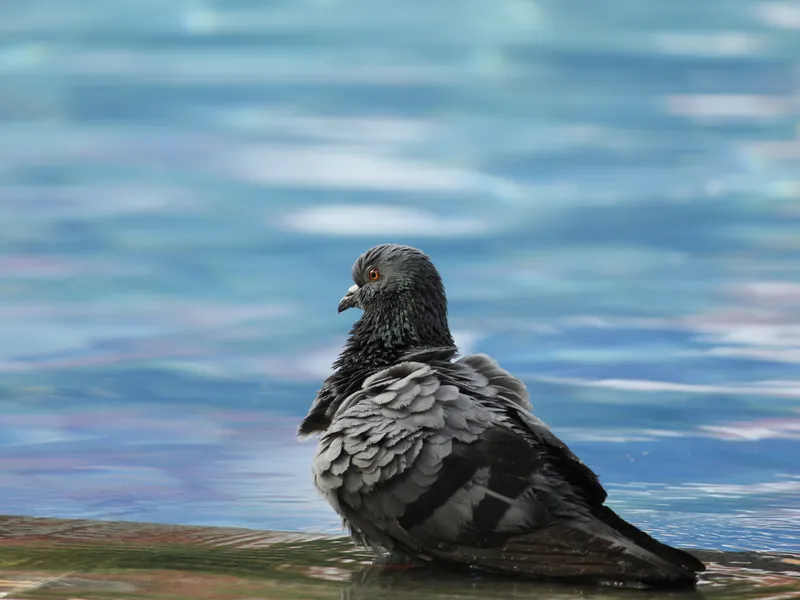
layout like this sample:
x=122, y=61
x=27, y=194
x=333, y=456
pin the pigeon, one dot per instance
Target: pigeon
x=437, y=458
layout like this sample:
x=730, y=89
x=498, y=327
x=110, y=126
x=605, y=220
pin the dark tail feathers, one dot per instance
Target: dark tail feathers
x=606, y=549
x=679, y=558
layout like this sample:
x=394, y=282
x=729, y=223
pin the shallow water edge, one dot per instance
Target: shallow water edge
x=57, y=558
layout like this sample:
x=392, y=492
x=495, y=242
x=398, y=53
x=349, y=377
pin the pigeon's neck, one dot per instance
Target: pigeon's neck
x=382, y=337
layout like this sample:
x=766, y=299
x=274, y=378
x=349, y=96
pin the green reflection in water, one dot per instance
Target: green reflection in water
x=49, y=558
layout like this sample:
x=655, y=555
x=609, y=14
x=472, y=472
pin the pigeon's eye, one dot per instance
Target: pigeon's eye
x=374, y=274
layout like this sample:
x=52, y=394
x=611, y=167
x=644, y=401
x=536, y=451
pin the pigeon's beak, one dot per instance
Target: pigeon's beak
x=350, y=298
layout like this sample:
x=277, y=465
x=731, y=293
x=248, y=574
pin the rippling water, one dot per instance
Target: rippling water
x=50, y=559
x=610, y=190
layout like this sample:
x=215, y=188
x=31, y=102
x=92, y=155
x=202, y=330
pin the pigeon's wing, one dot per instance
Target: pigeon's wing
x=448, y=463
x=510, y=395
x=535, y=473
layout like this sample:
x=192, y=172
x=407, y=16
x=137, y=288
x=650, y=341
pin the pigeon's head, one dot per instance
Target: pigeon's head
x=402, y=296
x=390, y=275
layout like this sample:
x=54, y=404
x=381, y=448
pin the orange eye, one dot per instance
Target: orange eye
x=374, y=274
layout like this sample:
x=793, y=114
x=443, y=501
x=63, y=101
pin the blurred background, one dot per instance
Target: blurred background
x=611, y=191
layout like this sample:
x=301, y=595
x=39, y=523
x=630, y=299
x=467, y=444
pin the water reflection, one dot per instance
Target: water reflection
x=64, y=559
x=743, y=576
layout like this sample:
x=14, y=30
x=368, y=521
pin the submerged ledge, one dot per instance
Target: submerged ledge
x=65, y=558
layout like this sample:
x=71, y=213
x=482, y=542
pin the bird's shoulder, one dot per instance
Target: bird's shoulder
x=476, y=375
x=351, y=382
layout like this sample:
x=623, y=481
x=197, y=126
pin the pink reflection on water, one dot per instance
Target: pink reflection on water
x=40, y=267
x=101, y=359
x=760, y=429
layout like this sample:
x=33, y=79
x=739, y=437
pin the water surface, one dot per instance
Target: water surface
x=50, y=558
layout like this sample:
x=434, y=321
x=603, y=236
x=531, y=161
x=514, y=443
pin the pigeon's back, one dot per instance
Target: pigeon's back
x=443, y=460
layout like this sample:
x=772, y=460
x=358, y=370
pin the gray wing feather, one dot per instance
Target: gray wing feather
x=498, y=379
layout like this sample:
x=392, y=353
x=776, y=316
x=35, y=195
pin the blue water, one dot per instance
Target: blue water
x=610, y=190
